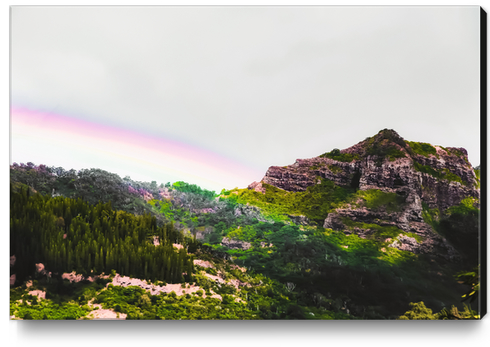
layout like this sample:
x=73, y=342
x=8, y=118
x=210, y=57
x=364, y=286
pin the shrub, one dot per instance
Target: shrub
x=422, y=148
x=335, y=154
x=419, y=312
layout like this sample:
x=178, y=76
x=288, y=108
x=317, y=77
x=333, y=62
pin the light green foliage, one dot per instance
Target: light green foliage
x=335, y=154
x=262, y=299
x=315, y=203
x=419, y=312
x=166, y=208
x=36, y=308
x=422, y=148
x=465, y=207
x=246, y=233
x=192, y=188
x=46, y=309
x=376, y=199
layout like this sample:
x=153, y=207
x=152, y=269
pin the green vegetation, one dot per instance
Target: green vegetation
x=477, y=174
x=470, y=278
x=384, y=145
x=419, y=312
x=378, y=232
x=293, y=271
x=247, y=233
x=431, y=216
x=192, y=188
x=315, y=203
x=335, y=154
x=71, y=235
x=421, y=148
x=459, y=225
x=335, y=169
x=317, y=166
x=376, y=199
x=444, y=174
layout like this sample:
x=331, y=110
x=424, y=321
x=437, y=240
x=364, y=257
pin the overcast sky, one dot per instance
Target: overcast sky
x=258, y=86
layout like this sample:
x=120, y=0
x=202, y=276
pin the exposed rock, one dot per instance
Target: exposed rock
x=201, y=232
x=257, y=186
x=400, y=174
x=249, y=211
x=235, y=244
x=203, y=263
x=301, y=220
x=40, y=269
x=39, y=293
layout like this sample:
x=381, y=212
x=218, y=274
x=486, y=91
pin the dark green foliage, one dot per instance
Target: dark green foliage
x=454, y=314
x=431, y=216
x=294, y=272
x=455, y=151
x=471, y=279
x=335, y=154
x=384, y=145
x=335, y=169
x=384, y=150
x=460, y=227
x=420, y=312
x=98, y=239
x=443, y=174
x=91, y=185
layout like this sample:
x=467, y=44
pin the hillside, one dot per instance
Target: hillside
x=358, y=233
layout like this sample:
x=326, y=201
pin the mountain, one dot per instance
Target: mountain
x=361, y=233
x=398, y=182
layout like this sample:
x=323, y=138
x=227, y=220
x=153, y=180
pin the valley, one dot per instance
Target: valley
x=384, y=229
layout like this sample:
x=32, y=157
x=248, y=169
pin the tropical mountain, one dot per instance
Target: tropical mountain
x=379, y=230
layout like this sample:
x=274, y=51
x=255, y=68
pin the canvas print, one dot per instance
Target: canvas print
x=245, y=163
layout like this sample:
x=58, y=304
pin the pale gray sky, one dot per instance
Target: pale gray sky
x=261, y=85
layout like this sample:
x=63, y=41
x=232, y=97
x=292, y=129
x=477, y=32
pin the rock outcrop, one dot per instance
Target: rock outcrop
x=235, y=244
x=418, y=173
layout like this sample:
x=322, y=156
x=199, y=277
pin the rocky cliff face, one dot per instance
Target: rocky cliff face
x=418, y=173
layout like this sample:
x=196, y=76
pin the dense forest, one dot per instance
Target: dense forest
x=96, y=224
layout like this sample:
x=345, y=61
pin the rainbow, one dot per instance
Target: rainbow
x=54, y=139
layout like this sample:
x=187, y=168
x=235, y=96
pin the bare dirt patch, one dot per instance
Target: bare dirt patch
x=39, y=293
x=125, y=281
x=102, y=313
x=203, y=263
